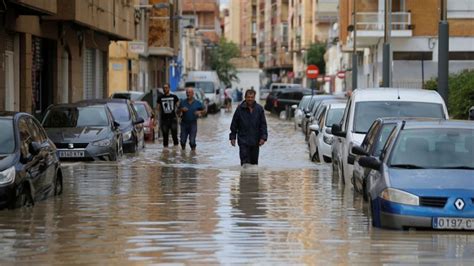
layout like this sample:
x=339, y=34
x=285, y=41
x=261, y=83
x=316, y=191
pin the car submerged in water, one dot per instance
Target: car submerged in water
x=29, y=167
x=424, y=177
x=83, y=131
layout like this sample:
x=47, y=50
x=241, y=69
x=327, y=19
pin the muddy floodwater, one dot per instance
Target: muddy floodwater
x=181, y=207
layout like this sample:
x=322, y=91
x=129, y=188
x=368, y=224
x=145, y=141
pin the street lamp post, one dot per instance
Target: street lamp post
x=387, y=56
x=354, y=51
x=443, y=53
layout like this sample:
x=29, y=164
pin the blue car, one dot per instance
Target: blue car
x=424, y=177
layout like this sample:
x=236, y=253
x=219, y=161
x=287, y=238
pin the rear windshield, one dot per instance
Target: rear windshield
x=120, y=111
x=207, y=87
x=334, y=116
x=141, y=110
x=434, y=148
x=7, y=137
x=366, y=112
x=76, y=117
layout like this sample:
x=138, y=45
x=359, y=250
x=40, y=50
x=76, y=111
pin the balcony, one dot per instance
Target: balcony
x=370, y=27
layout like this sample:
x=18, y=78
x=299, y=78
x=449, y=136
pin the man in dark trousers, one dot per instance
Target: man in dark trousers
x=191, y=110
x=167, y=106
x=249, y=127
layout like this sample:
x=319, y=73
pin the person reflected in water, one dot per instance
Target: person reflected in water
x=249, y=200
x=249, y=128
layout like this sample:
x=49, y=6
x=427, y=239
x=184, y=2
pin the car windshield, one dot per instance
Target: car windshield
x=367, y=112
x=207, y=87
x=76, y=117
x=334, y=116
x=7, y=138
x=141, y=110
x=434, y=148
x=120, y=111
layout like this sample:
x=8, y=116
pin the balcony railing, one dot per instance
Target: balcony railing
x=374, y=21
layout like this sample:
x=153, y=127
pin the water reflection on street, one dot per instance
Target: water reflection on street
x=174, y=206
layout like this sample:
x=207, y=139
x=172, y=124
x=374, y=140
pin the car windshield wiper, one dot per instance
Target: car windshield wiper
x=407, y=166
x=360, y=132
x=457, y=167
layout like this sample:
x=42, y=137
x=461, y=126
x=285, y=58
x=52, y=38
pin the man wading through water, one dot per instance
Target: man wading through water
x=167, y=105
x=249, y=127
x=191, y=110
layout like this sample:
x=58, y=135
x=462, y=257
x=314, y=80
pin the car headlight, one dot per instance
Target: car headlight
x=328, y=139
x=102, y=143
x=398, y=196
x=127, y=135
x=7, y=176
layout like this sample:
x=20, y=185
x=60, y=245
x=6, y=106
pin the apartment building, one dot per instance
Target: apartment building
x=414, y=40
x=248, y=28
x=272, y=39
x=204, y=14
x=56, y=51
x=232, y=21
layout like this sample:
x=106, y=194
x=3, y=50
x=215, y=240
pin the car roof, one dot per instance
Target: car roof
x=128, y=92
x=438, y=123
x=396, y=94
x=78, y=104
x=337, y=105
x=8, y=114
x=111, y=100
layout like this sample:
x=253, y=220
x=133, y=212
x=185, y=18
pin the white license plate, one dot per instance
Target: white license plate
x=71, y=154
x=453, y=223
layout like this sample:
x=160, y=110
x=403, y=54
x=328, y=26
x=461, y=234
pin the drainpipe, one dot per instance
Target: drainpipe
x=354, y=52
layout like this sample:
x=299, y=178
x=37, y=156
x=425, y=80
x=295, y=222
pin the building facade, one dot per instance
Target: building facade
x=248, y=28
x=56, y=51
x=414, y=39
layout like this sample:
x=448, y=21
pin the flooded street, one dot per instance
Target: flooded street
x=183, y=207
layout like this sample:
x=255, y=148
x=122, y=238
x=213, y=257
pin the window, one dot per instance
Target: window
x=460, y=9
x=7, y=138
x=413, y=56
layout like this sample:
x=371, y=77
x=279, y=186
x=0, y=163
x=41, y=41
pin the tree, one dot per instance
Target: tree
x=220, y=61
x=316, y=56
x=461, y=93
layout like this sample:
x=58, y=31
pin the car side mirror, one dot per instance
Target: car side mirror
x=370, y=162
x=336, y=131
x=294, y=106
x=34, y=148
x=314, y=128
x=116, y=124
x=328, y=130
x=139, y=120
x=217, y=91
x=358, y=150
x=308, y=115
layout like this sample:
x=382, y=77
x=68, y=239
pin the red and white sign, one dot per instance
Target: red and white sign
x=312, y=72
x=291, y=74
x=327, y=78
x=341, y=74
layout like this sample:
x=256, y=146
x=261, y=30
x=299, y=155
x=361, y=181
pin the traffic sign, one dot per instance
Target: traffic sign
x=341, y=74
x=312, y=72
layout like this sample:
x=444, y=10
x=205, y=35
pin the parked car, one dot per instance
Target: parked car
x=366, y=105
x=299, y=110
x=129, y=95
x=321, y=138
x=424, y=177
x=129, y=123
x=151, y=97
x=150, y=127
x=310, y=111
x=285, y=98
x=372, y=145
x=277, y=86
x=29, y=166
x=83, y=131
x=312, y=116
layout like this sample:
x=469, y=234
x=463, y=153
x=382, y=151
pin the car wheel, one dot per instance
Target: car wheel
x=113, y=156
x=58, y=184
x=372, y=213
x=365, y=190
x=24, y=199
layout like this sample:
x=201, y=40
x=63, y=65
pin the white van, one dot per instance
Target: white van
x=275, y=86
x=209, y=82
x=366, y=105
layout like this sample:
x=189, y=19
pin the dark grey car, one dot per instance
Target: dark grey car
x=83, y=131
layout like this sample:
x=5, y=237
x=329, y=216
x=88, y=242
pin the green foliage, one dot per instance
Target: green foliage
x=316, y=56
x=461, y=93
x=220, y=61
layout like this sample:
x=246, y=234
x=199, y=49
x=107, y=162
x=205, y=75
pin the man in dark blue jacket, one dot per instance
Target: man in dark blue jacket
x=249, y=127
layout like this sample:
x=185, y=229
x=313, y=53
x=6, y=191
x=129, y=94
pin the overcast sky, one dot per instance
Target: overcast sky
x=224, y=2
